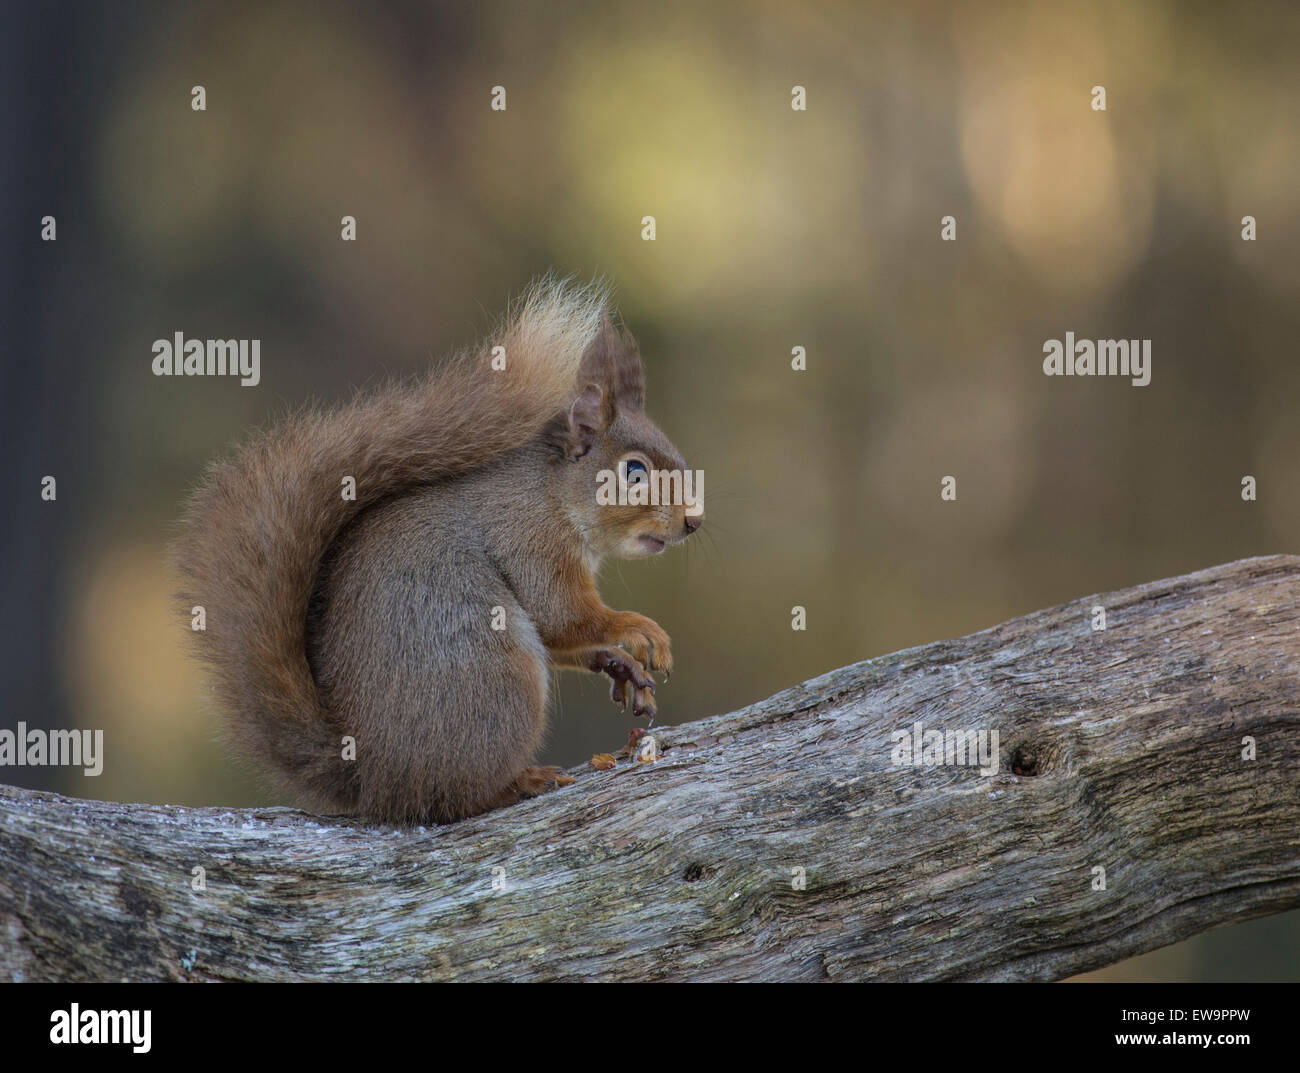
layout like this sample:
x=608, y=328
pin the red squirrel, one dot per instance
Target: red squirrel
x=387, y=655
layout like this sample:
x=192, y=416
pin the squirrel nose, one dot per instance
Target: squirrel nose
x=693, y=522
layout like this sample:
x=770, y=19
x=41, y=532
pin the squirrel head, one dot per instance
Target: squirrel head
x=626, y=487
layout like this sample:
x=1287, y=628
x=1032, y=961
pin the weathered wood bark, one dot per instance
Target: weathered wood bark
x=1129, y=740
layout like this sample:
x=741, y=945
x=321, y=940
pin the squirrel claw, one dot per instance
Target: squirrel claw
x=631, y=684
x=644, y=704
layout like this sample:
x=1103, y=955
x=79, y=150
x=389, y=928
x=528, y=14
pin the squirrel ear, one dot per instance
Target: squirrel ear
x=587, y=420
x=597, y=365
x=613, y=361
x=629, y=376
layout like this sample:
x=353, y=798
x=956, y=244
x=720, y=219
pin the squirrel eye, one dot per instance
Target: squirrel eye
x=636, y=471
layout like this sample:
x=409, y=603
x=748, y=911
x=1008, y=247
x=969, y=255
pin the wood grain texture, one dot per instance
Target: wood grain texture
x=681, y=869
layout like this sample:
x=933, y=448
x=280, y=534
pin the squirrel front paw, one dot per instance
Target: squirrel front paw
x=631, y=682
x=645, y=639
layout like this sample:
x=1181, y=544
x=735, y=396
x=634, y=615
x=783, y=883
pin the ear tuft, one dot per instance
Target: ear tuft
x=613, y=361
x=629, y=376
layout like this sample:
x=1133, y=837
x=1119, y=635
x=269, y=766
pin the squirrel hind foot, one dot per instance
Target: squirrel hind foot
x=533, y=781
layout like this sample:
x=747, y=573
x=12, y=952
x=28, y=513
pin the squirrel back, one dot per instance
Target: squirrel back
x=257, y=529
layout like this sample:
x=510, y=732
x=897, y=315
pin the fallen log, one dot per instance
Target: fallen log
x=1145, y=790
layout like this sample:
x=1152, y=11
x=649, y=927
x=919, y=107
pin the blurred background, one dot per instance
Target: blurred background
x=775, y=229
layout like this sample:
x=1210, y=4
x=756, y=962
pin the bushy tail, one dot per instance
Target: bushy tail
x=256, y=530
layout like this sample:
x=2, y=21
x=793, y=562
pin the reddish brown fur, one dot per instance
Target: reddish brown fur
x=372, y=619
